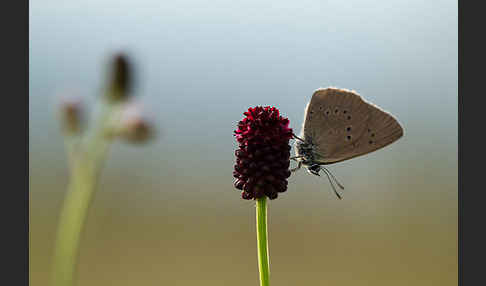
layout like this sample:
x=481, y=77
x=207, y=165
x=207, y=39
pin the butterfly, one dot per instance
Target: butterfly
x=340, y=125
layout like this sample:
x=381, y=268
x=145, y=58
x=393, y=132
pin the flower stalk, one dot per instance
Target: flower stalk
x=86, y=165
x=262, y=241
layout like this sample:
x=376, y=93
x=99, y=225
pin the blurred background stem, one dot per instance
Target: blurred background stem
x=261, y=221
x=86, y=163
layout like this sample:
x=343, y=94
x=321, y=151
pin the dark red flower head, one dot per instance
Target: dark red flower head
x=262, y=160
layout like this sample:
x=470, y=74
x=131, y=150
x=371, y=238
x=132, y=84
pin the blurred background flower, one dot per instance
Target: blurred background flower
x=134, y=126
x=71, y=114
x=87, y=151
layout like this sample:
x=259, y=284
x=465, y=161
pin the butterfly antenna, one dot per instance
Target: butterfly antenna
x=298, y=138
x=337, y=182
x=332, y=185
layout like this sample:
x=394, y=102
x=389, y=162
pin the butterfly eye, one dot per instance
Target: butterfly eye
x=348, y=129
x=349, y=117
x=348, y=137
x=371, y=142
x=344, y=111
x=372, y=134
x=336, y=111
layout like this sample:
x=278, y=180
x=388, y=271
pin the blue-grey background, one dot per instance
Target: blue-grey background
x=167, y=213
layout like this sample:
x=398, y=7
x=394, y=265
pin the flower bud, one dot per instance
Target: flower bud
x=137, y=130
x=71, y=113
x=121, y=78
x=133, y=126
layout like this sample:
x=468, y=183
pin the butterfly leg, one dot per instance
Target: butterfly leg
x=296, y=168
x=298, y=138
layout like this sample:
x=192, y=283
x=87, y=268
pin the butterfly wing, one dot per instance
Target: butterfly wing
x=342, y=126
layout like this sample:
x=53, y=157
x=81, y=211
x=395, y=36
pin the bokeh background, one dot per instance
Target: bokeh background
x=167, y=213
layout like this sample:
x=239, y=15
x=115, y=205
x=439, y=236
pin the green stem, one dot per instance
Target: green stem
x=86, y=164
x=263, y=260
x=73, y=215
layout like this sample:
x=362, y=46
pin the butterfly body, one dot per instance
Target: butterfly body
x=306, y=153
